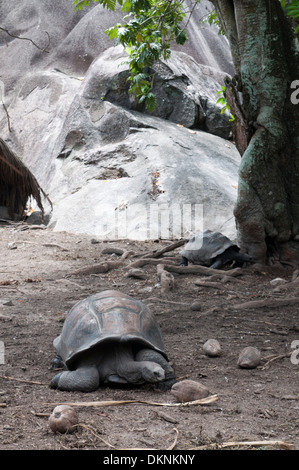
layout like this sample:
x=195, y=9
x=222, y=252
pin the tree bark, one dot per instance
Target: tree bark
x=266, y=60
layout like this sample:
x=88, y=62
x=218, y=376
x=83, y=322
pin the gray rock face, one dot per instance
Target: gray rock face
x=109, y=169
x=77, y=38
x=140, y=186
x=186, y=92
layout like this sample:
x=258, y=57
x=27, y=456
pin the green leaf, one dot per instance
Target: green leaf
x=150, y=102
x=147, y=32
x=112, y=32
x=109, y=4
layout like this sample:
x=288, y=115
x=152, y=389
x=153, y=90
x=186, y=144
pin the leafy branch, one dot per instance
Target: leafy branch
x=292, y=9
x=152, y=25
x=222, y=100
x=212, y=19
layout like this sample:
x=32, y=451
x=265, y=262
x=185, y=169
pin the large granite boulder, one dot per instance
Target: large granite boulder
x=186, y=92
x=109, y=169
x=160, y=180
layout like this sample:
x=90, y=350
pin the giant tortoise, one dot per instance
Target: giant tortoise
x=212, y=249
x=110, y=337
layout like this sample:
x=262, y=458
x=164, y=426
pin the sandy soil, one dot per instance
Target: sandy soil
x=36, y=291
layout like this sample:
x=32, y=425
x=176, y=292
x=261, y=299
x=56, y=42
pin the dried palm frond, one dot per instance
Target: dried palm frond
x=17, y=183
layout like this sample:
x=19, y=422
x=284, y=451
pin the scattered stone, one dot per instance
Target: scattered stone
x=277, y=281
x=249, y=358
x=37, y=218
x=166, y=281
x=63, y=419
x=212, y=348
x=189, y=390
x=7, y=303
x=196, y=306
x=94, y=241
x=12, y=246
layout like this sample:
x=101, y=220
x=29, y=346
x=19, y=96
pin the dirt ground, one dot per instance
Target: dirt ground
x=37, y=289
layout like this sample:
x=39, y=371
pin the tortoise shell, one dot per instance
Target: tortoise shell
x=103, y=317
x=203, y=247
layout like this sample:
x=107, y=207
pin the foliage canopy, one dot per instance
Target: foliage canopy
x=150, y=29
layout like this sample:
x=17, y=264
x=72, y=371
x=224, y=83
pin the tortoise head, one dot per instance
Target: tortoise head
x=152, y=372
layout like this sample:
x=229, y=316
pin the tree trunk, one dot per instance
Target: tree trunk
x=266, y=62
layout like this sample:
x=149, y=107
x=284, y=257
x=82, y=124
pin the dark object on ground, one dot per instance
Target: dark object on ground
x=110, y=338
x=212, y=249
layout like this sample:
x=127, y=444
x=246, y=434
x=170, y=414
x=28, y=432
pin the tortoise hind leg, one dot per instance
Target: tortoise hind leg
x=219, y=262
x=241, y=257
x=84, y=379
x=229, y=255
x=154, y=356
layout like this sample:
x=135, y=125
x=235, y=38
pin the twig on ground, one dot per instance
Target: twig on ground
x=171, y=247
x=157, y=299
x=88, y=428
x=274, y=358
x=198, y=269
x=22, y=380
x=96, y=268
x=282, y=444
x=267, y=303
x=144, y=261
x=204, y=401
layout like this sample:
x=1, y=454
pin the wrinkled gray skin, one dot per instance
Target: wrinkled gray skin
x=114, y=363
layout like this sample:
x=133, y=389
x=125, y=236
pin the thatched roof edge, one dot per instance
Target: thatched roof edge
x=17, y=183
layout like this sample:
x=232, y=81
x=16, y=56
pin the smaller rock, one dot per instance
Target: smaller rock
x=38, y=218
x=277, y=281
x=212, y=348
x=166, y=281
x=196, y=306
x=7, y=303
x=249, y=358
x=189, y=390
x=63, y=419
x=12, y=246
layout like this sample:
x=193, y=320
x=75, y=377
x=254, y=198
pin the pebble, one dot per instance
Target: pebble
x=12, y=246
x=249, y=358
x=189, y=390
x=196, y=306
x=212, y=348
x=8, y=303
x=277, y=281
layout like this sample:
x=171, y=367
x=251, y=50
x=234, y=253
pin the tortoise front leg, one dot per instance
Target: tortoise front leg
x=184, y=261
x=83, y=379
